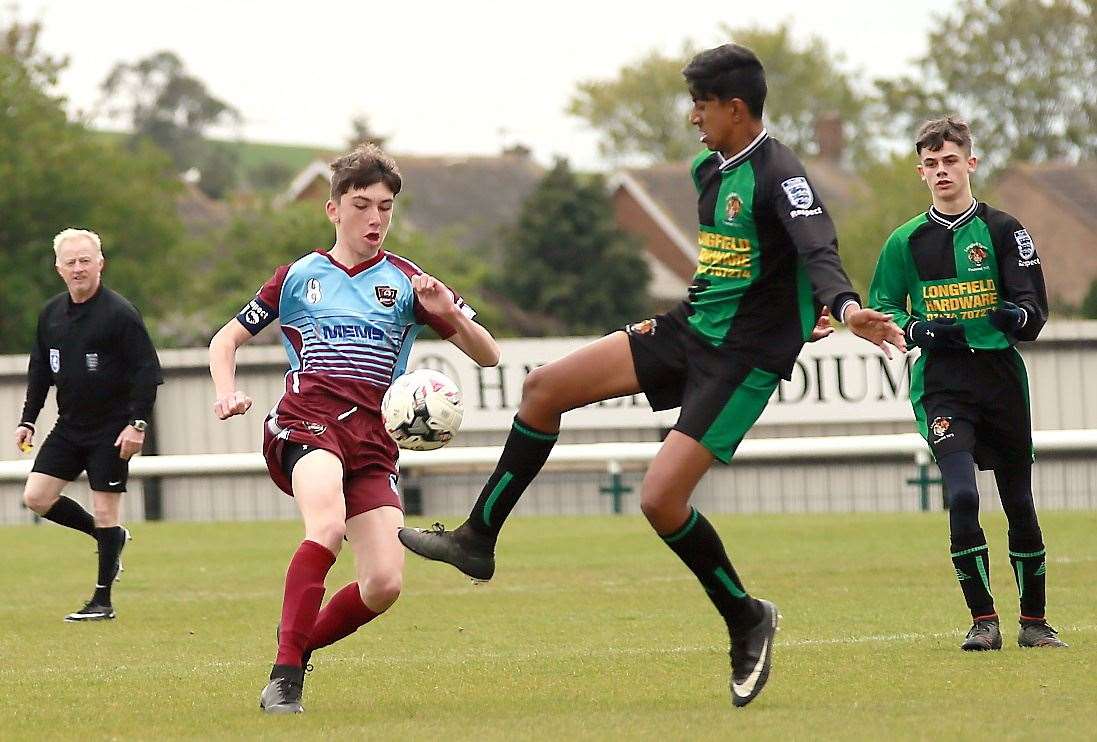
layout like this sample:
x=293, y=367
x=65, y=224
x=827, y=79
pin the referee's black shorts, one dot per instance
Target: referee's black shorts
x=720, y=393
x=66, y=452
x=974, y=401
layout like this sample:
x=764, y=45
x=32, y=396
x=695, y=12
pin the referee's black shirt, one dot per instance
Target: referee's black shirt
x=99, y=355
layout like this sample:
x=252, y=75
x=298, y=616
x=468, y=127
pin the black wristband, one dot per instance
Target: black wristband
x=28, y=426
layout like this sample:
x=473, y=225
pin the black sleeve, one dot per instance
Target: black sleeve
x=812, y=232
x=1022, y=277
x=39, y=378
x=143, y=365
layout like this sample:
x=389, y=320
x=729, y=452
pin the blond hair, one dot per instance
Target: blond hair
x=68, y=234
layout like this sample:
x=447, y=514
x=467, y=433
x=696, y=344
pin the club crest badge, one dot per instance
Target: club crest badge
x=940, y=426
x=386, y=295
x=313, y=292
x=734, y=206
x=55, y=360
x=647, y=327
x=1025, y=247
x=977, y=255
x=798, y=192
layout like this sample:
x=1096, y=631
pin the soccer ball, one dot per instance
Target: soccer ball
x=422, y=410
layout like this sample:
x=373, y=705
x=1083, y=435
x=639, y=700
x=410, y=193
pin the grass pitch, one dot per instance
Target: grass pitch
x=591, y=630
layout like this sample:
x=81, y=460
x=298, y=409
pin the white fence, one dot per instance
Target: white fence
x=612, y=455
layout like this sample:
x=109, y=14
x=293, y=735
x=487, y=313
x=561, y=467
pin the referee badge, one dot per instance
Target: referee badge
x=55, y=360
x=91, y=360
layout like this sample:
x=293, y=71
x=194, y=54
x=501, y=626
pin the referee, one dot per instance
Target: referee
x=91, y=344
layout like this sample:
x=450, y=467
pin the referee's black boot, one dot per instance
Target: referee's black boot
x=464, y=548
x=92, y=611
x=283, y=693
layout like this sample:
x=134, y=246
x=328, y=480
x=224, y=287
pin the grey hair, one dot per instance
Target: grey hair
x=67, y=234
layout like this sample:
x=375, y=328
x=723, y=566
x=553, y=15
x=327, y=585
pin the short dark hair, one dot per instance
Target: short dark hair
x=365, y=165
x=932, y=135
x=726, y=72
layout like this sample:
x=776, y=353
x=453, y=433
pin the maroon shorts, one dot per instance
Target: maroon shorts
x=370, y=471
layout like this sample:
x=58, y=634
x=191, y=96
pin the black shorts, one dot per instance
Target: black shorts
x=720, y=393
x=974, y=401
x=66, y=453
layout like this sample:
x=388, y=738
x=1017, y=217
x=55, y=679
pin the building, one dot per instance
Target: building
x=1057, y=204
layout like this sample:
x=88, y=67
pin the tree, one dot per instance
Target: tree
x=19, y=41
x=166, y=105
x=55, y=174
x=230, y=267
x=892, y=195
x=643, y=113
x=1023, y=73
x=361, y=131
x=568, y=259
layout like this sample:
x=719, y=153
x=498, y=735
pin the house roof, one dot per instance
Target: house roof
x=470, y=198
x=1073, y=186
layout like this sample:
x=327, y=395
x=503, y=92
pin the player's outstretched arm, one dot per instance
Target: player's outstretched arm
x=876, y=327
x=222, y=367
x=471, y=337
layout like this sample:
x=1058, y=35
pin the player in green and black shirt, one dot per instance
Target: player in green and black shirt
x=965, y=282
x=768, y=264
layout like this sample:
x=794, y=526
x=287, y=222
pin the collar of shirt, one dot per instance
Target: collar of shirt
x=953, y=221
x=742, y=155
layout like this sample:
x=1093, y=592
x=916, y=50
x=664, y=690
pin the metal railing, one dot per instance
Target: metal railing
x=611, y=455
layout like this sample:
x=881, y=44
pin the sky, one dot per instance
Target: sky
x=437, y=78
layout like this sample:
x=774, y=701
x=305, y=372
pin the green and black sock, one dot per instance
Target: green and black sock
x=972, y=563
x=524, y=455
x=71, y=514
x=698, y=545
x=1028, y=557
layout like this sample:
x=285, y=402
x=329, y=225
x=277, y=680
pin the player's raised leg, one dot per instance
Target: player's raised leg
x=601, y=370
x=318, y=490
x=668, y=485
x=379, y=568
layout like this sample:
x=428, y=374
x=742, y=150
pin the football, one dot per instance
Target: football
x=422, y=410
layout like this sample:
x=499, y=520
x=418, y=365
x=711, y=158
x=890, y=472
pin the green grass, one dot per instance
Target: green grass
x=590, y=630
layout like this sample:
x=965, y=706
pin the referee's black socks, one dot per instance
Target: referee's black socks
x=71, y=514
x=524, y=454
x=698, y=545
x=111, y=540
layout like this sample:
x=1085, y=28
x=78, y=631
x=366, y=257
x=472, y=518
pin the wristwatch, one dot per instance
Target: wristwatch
x=139, y=425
